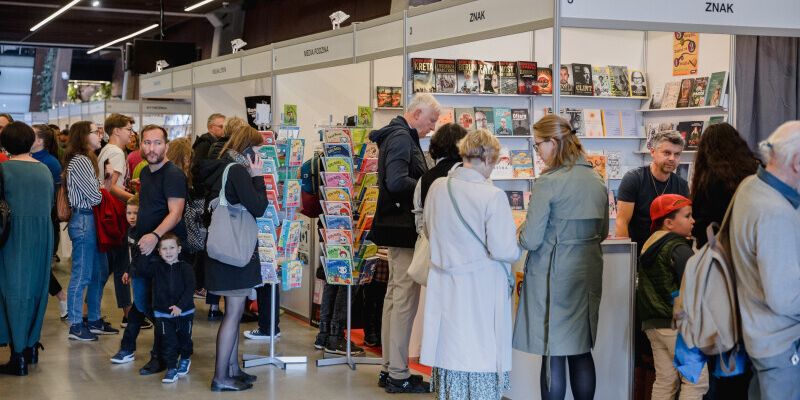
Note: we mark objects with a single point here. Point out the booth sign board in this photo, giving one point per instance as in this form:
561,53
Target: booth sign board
155,84
122,107
166,108
182,78
329,49
385,39
218,71
255,64
461,23
97,107
745,17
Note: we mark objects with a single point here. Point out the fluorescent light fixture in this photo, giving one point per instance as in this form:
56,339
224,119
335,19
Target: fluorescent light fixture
55,14
113,42
197,5
96,3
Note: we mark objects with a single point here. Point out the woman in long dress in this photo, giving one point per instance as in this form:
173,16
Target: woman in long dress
26,255
560,296
467,320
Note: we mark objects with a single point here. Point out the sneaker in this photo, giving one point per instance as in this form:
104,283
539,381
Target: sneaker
338,345
382,377
256,334
153,366
200,294
123,357
147,324
81,332
214,315
171,376
62,310
183,366
409,385
372,340
101,327
322,339
124,323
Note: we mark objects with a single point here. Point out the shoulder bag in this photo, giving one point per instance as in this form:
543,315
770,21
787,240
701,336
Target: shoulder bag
421,262
232,235
5,211
63,210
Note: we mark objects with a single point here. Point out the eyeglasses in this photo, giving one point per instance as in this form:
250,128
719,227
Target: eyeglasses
537,144
95,132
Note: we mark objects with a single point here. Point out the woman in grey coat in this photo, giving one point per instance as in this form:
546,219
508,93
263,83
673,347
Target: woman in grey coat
560,297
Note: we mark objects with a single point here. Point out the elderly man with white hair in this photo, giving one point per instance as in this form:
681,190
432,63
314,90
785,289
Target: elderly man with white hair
400,164
765,244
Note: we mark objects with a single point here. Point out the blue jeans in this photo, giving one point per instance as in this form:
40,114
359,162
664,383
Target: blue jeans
89,267
777,377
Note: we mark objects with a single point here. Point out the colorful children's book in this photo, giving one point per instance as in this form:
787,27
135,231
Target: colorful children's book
368,207
268,151
268,137
367,272
266,225
272,196
338,179
271,213
598,162
337,135
290,114
358,135
291,193
271,182
337,236
289,240
338,222
337,208
266,240
338,272
336,193
370,194
337,150
269,274
364,116
522,163
296,147
338,164
338,252
291,274
369,165
270,167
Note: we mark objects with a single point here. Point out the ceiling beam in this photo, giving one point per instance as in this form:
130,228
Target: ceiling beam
100,9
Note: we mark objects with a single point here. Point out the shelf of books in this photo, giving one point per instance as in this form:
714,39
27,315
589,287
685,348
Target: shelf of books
279,230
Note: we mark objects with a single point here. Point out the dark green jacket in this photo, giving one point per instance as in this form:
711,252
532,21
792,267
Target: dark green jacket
660,270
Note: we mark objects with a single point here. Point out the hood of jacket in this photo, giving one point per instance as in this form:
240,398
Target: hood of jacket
395,126
653,245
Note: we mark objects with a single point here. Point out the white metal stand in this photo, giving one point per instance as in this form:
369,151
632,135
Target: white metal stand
348,358
254,360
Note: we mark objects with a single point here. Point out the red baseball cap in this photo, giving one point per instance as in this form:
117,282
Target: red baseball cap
665,204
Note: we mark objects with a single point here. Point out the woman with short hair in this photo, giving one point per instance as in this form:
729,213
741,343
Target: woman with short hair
467,319
560,296
27,187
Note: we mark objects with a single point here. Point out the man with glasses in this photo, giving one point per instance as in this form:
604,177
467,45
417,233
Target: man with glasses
112,161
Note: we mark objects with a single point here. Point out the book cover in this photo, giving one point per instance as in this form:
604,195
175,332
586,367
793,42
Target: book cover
364,116
338,252
527,78
539,166
655,98
544,80
619,81
716,88
503,169
383,96
565,79
484,118
338,164
368,151
266,240
269,272
520,122
593,122
671,92
488,81
338,272
507,71
614,164
338,179
337,208
369,164
290,114
422,75
272,196
638,84
685,93
698,98
291,193
337,236
370,194
271,182
691,132
397,96
271,213
628,123
466,118
515,199
716,119
502,121
612,204
467,76
266,226
582,77
575,118
368,207
291,274
612,123
337,150
598,162
268,152
445,72
601,80
446,116
268,137
367,271
338,222
336,193
296,149
358,136
521,164
289,132
337,135
369,179
289,240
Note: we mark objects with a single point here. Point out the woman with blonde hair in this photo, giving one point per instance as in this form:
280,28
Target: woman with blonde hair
472,240
560,296
179,152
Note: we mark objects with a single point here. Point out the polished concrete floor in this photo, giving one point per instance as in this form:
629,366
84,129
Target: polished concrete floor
82,370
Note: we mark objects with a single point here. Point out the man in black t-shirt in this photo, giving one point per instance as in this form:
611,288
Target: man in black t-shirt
641,186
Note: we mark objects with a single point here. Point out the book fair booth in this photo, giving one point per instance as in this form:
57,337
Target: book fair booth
626,70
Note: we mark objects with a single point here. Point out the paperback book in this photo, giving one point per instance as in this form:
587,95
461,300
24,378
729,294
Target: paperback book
685,93
445,71
522,164
544,80
582,76
619,80
290,114
337,150
515,199
565,79
422,73
503,169
691,131
467,76
638,84
671,92
291,193
291,274
338,272
383,96
507,71
593,122
698,98
337,208
488,81
598,162
601,80
527,78
520,122
337,135
484,118
336,193
716,88
502,121
466,118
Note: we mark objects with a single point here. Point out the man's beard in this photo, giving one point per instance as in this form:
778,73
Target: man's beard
159,159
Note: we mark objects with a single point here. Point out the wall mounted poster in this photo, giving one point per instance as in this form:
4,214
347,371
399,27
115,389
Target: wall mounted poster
684,53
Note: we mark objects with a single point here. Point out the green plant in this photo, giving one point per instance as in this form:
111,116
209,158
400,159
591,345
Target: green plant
45,81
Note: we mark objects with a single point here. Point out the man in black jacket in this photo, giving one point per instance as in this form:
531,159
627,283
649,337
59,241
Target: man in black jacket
400,164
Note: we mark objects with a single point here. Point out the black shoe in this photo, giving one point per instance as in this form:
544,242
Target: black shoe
31,354
337,345
409,385
372,340
153,366
245,377
248,316
15,366
382,377
232,387
322,339
214,315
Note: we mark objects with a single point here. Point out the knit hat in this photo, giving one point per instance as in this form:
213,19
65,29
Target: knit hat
665,204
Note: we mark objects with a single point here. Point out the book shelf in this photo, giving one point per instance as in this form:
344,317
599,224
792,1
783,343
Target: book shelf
705,109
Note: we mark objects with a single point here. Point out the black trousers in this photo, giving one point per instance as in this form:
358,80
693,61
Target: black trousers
333,308
374,293
266,308
118,266
176,338
135,321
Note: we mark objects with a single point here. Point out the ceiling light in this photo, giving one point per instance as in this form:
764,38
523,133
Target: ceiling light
96,3
113,42
55,14
197,5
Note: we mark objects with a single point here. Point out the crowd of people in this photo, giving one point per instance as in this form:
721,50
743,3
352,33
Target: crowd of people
159,191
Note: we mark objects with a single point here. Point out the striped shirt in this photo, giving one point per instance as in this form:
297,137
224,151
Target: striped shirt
83,188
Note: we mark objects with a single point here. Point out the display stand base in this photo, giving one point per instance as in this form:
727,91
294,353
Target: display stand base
255,360
347,359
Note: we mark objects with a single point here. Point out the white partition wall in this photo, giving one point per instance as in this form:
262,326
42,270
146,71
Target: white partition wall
227,99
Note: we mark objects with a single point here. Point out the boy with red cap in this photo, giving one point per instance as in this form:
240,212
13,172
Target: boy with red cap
660,270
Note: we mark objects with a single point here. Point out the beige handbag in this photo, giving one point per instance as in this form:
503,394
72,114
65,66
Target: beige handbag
421,262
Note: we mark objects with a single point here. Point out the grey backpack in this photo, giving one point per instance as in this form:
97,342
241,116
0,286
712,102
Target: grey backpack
232,235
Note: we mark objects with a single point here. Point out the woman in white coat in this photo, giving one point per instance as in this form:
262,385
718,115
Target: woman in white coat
467,321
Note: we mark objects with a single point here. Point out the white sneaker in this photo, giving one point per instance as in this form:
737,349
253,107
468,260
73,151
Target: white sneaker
256,334
62,309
